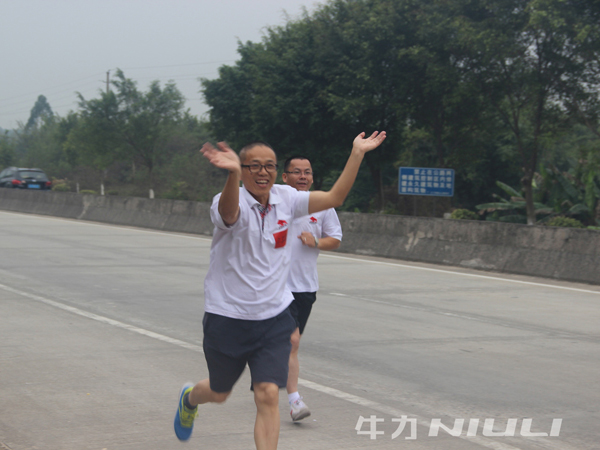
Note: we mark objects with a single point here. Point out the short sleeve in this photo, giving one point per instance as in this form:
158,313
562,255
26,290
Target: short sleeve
331,225
301,203
216,218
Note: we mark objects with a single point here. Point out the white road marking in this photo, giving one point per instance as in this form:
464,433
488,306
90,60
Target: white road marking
106,320
118,227
323,254
360,401
473,275
488,443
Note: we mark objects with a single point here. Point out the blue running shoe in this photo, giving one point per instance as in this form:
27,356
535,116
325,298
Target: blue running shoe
184,417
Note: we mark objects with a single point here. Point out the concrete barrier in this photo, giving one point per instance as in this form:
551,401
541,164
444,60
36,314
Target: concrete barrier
560,253
160,214
551,252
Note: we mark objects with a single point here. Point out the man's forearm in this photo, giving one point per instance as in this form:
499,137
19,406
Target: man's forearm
319,200
328,243
229,203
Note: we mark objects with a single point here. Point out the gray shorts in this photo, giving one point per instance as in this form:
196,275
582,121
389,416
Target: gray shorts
229,344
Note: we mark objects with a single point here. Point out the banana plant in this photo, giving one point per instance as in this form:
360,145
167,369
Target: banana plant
564,196
514,206
574,197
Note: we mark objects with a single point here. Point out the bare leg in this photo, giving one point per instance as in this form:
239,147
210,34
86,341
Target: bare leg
266,428
202,393
294,370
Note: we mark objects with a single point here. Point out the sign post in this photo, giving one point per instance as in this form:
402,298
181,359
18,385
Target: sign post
425,181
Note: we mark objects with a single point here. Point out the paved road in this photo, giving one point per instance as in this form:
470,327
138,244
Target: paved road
100,326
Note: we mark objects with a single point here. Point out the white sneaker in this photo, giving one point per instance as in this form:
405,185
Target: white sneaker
299,410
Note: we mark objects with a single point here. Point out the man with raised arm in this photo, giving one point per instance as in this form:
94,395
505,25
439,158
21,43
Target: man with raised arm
246,319
314,232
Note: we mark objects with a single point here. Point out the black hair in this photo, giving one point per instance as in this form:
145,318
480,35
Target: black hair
288,161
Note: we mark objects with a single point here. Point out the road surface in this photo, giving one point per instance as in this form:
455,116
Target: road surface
101,325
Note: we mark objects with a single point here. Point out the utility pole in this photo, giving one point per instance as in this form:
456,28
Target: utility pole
107,81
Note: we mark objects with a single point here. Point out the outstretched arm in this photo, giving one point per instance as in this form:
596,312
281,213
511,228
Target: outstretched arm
319,200
225,158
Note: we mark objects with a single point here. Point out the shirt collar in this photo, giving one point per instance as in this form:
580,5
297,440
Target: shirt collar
274,197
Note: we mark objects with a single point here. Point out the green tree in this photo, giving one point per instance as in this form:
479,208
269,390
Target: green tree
358,66
523,53
7,151
288,91
125,123
42,146
359,54
41,110
230,99
186,175
450,122
275,93
581,94
513,208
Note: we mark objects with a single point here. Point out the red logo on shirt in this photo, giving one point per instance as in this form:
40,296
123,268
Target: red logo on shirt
281,223
280,238
313,219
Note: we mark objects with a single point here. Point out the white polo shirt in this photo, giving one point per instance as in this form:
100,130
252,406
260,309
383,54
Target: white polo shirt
249,264
303,276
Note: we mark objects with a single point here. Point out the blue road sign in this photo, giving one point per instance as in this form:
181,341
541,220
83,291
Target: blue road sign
424,181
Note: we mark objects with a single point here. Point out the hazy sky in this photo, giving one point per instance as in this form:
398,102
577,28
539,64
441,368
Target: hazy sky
58,47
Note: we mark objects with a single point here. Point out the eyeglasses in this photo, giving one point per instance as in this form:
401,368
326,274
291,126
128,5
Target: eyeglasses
296,172
255,167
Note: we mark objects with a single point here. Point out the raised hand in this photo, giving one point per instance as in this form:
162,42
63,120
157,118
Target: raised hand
363,145
223,157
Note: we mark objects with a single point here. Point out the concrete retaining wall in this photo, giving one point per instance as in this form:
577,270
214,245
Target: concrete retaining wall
560,253
551,252
160,214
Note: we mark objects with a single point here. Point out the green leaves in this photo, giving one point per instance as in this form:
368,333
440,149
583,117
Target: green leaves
128,124
509,190
40,111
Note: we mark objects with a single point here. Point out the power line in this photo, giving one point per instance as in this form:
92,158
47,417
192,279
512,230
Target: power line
51,87
174,77
74,87
180,65
46,93
25,111
49,90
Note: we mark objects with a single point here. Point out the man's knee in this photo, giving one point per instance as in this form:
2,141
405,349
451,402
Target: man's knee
266,394
220,397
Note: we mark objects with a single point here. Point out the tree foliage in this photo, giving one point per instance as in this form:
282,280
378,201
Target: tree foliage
496,89
40,112
127,138
127,123
528,58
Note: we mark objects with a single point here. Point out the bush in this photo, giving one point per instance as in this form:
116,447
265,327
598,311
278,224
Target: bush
61,187
464,214
88,191
178,191
562,221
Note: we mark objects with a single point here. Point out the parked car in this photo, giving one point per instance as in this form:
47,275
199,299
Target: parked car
24,178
